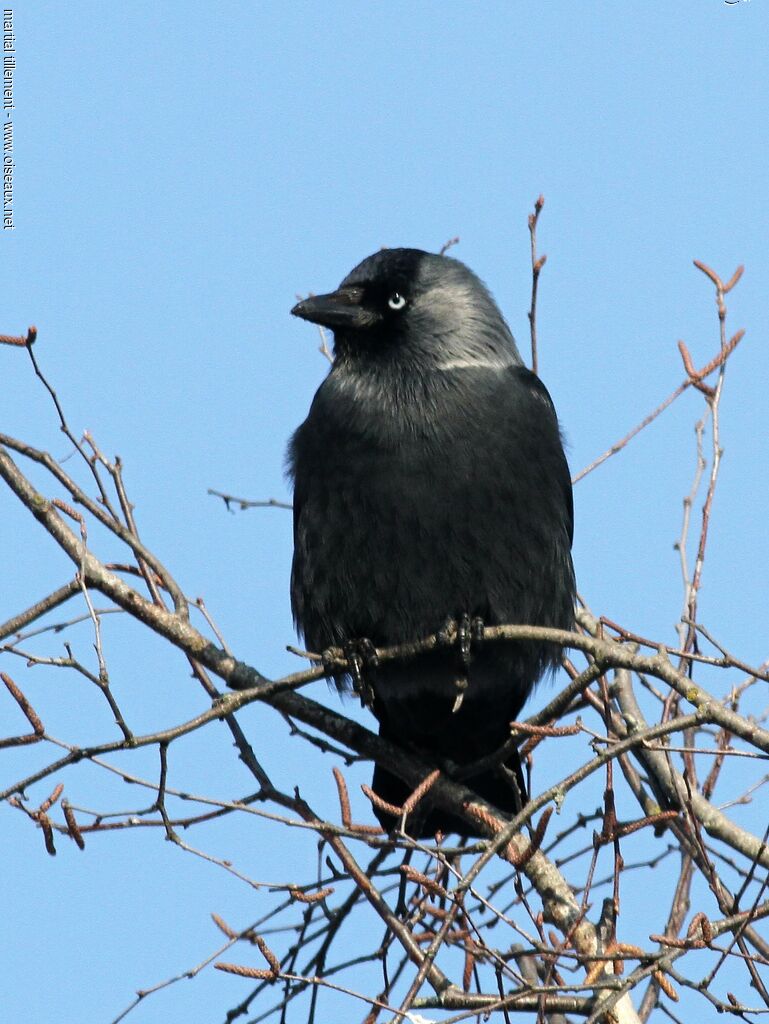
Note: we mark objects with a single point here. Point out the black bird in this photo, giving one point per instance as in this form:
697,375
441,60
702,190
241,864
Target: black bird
430,484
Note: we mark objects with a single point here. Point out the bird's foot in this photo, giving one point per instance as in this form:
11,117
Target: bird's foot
469,635
361,655
466,632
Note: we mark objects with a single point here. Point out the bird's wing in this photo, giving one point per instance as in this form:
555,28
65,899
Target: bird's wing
541,396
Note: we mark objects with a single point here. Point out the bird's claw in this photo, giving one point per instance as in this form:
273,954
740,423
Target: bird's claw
361,655
461,684
463,639
466,632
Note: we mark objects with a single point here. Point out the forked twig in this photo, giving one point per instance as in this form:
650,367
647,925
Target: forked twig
22,340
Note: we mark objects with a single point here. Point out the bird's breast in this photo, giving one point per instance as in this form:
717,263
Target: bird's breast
407,514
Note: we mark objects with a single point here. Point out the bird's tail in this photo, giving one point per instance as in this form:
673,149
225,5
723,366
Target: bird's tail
505,790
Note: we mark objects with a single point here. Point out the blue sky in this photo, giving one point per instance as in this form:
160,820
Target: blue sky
182,172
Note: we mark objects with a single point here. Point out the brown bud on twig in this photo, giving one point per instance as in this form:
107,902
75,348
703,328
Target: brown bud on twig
245,972
520,860
665,985
634,826
694,376
670,940
627,949
344,798
408,805
24,704
734,278
310,897
700,923
433,911
467,973
428,884
72,826
19,339
48,803
222,925
20,741
379,803
424,787
618,966
45,824
513,856
708,272
491,821
268,955
595,970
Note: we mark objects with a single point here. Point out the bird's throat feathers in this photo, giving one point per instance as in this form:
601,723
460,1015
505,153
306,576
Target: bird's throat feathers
400,400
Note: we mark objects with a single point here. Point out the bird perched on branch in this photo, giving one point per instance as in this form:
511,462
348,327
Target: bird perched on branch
430,486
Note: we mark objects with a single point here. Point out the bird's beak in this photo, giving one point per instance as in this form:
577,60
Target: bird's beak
341,308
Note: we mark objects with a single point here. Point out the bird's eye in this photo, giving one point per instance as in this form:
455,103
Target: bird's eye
396,301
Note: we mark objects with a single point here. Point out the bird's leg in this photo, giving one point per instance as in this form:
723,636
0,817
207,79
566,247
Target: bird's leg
466,632
477,626
469,635
463,640
361,655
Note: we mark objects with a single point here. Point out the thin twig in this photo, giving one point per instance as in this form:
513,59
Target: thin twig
537,263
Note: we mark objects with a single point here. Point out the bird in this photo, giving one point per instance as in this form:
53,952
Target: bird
431,487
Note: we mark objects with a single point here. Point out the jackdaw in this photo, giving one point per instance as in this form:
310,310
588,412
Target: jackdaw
430,485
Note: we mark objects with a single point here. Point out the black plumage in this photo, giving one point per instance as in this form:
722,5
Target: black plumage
430,483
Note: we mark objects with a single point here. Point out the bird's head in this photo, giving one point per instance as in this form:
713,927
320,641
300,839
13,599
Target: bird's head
406,306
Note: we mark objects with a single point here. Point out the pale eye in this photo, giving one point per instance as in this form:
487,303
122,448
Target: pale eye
396,301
